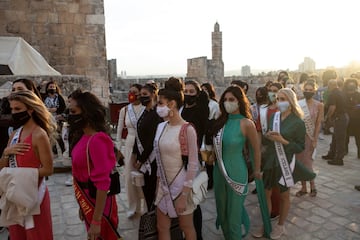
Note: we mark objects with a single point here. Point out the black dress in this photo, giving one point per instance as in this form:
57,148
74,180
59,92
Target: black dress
146,130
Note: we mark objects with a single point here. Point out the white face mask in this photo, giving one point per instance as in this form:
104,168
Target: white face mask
231,107
272,96
163,111
283,106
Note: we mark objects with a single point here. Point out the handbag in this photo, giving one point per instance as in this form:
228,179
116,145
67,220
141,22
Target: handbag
119,157
148,228
200,182
115,187
137,178
124,132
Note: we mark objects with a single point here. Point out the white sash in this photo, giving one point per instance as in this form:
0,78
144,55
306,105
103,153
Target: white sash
255,111
309,124
263,109
14,140
287,178
239,188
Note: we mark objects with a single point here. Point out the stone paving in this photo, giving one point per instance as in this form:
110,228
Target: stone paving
333,214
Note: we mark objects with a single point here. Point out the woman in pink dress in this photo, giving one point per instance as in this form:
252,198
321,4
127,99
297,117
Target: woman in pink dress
313,116
29,147
93,158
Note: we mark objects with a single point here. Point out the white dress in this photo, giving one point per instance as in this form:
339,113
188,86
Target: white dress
134,194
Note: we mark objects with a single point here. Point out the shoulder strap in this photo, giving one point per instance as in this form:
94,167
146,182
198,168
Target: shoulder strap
183,140
88,154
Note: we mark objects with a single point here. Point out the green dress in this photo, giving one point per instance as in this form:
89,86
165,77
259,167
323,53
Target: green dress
231,213
293,130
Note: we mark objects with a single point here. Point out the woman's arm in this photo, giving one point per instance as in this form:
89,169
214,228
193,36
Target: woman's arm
43,150
120,125
95,225
193,163
319,119
248,128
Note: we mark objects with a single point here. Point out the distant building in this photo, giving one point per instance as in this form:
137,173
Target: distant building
307,66
245,71
208,70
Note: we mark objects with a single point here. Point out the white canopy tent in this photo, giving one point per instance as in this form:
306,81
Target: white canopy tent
22,58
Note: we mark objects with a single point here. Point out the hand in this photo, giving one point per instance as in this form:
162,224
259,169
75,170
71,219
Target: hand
52,110
81,215
258,175
137,165
94,232
180,203
17,149
314,143
274,136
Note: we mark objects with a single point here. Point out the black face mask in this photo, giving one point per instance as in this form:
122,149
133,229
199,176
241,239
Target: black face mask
308,95
76,121
51,91
189,99
145,100
19,119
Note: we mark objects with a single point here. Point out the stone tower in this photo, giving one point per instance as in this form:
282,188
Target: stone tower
69,34
208,70
216,37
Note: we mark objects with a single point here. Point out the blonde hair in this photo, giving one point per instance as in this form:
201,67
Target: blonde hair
40,115
291,96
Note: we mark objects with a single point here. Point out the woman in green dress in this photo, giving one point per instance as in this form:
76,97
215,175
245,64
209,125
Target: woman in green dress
231,130
286,136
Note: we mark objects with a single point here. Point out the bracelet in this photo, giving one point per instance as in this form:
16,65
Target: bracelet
97,223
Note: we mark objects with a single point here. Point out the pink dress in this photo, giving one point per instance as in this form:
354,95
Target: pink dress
305,157
101,150
42,222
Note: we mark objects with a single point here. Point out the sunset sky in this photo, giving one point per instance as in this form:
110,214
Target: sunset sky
152,37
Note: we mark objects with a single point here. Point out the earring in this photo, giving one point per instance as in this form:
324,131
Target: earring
171,113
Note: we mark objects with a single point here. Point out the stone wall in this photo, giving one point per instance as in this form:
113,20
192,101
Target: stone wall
70,34
197,69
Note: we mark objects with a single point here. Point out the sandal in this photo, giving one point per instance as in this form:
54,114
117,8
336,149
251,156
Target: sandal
313,192
300,193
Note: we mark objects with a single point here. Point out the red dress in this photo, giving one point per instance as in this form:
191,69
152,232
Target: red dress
42,222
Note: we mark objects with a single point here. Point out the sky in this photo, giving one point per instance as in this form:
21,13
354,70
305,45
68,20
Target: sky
156,37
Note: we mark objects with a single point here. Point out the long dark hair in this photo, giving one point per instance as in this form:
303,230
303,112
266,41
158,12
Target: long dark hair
210,89
244,107
93,112
30,85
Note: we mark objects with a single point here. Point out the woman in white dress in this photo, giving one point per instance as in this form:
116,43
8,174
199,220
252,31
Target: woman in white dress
128,117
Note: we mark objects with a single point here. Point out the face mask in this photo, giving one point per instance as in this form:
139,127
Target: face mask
272,96
19,119
163,111
145,100
76,121
51,91
308,95
132,97
231,107
189,99
283,106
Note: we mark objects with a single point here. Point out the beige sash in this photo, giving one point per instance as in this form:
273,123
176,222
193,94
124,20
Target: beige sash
309,124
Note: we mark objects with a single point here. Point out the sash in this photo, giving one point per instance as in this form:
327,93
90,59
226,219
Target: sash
14,140
239,188
309,124
286,169
146,166
255,111
108,231
263,109
172,190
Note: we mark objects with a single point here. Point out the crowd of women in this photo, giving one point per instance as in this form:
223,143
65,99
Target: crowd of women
272,140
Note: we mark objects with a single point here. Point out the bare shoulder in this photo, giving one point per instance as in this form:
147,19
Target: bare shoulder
245,122
39,133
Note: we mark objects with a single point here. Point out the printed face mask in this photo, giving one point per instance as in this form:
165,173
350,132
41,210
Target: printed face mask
272,96
231,107
132,97
163,111
19,119
283,106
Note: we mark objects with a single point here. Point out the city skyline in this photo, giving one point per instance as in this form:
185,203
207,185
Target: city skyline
157,37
